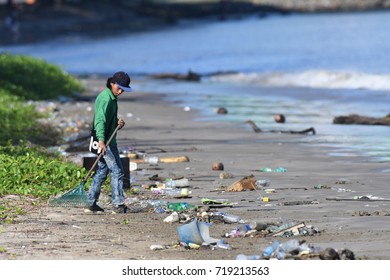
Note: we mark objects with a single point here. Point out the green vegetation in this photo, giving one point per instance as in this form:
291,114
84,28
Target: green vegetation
26,168
35,79
29,171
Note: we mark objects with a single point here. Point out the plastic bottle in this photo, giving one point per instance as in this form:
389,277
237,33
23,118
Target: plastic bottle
229,218
177,183
179,206
222,245
247,257
280,169
176,192
290,245
264,183
151,160
267,253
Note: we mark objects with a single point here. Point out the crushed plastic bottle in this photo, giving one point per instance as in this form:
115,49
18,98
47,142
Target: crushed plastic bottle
176,183
264,183
247,257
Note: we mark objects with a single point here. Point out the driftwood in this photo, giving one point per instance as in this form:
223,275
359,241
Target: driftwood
358,119
258,130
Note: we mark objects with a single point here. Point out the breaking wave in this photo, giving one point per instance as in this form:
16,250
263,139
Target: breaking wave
312,79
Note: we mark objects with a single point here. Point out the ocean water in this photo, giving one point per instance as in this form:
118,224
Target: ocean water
311,68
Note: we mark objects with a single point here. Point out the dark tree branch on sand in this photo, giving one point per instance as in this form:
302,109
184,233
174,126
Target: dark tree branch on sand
258,130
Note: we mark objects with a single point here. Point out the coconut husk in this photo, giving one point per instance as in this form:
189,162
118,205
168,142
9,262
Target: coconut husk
246,183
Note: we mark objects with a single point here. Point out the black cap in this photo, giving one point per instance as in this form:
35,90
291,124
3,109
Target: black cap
122,80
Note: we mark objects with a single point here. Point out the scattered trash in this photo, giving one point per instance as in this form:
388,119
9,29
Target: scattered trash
193,246
225,175
343,181
224,202
136,205
258,225
247,257
196,232
267,169
221,244
300,202
176,193
240,231
151,160
156,247
263,183
321,186
177,183
226,218
174,217
289,230
179,206
294,249
269,191
364,198
133,166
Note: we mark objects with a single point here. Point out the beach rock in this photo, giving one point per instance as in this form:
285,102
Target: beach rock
329,254
280,118
222,111
217,166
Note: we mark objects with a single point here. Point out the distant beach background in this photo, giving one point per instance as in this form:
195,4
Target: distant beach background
309,67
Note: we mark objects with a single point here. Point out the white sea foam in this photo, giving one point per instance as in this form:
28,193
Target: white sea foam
312,79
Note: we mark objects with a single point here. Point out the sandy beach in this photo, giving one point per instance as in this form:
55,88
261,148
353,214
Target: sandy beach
304,194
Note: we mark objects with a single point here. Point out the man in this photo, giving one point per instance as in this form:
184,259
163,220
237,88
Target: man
105,122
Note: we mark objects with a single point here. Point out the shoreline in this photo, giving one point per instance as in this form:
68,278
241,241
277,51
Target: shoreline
165,130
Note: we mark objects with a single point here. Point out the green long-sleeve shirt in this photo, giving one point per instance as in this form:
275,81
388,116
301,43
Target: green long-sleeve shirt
106,115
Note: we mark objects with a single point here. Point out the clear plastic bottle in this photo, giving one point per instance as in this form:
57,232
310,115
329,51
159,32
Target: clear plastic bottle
177,183
290,245
267,253
151,160
183,192
229,218
263,183
222,245
247,257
